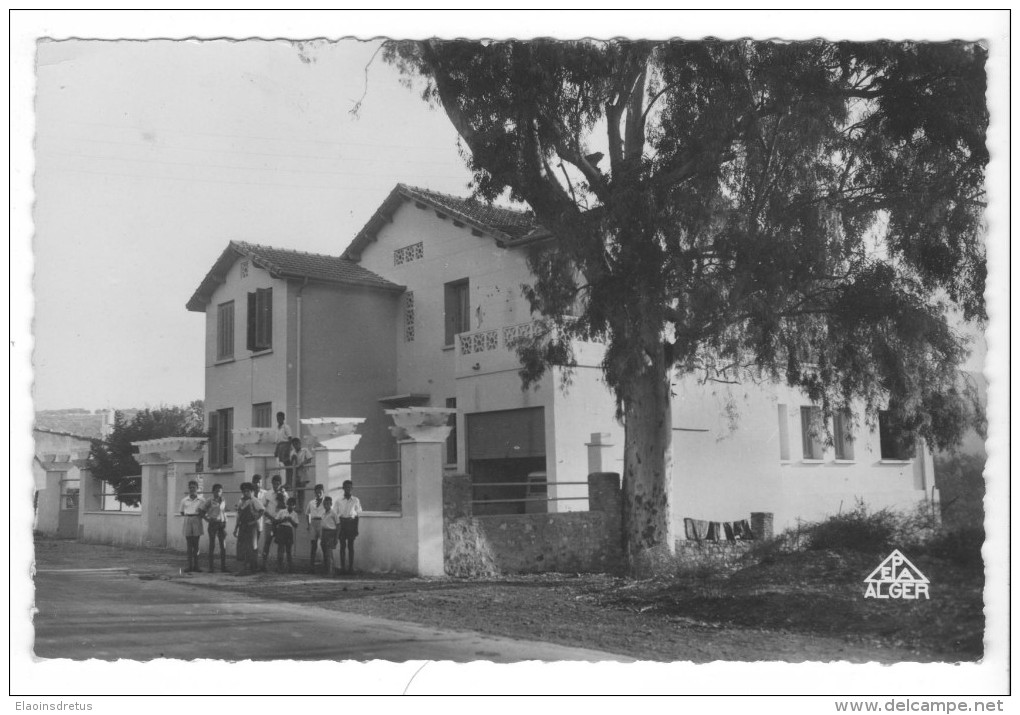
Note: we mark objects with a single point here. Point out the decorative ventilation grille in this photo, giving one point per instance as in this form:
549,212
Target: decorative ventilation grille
414,252
409,316
479,342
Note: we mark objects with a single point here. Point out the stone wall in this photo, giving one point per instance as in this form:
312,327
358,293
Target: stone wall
530,543
711,554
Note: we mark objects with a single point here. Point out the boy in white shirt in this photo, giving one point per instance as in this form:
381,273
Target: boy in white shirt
283,436
314,512
330,521
191,509
348,509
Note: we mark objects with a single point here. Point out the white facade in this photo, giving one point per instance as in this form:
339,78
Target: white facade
727,459
358,351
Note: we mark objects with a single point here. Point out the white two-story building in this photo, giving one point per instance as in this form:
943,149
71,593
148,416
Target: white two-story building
422,309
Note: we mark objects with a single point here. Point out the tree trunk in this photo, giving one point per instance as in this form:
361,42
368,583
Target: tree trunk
648,477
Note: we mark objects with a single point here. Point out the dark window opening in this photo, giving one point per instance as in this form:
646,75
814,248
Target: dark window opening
896,442
457,307
451,441
260,319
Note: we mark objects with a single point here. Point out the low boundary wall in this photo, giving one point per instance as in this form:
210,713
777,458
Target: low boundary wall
533,543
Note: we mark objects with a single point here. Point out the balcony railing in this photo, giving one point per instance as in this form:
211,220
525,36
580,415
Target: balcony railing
505,338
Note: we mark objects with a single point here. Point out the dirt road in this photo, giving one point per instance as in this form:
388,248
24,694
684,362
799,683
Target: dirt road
565,610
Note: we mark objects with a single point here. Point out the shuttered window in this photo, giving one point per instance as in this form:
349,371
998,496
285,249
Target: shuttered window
221,441
225,331
262,414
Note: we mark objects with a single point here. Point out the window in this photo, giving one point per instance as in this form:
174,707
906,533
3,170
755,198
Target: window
784,434
225,331
451,441
896,442
260,319
842,435
810,420
262,414
458,309
221,442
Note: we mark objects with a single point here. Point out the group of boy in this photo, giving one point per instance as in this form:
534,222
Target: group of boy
266,516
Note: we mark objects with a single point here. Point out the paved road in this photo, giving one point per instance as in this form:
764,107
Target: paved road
112,613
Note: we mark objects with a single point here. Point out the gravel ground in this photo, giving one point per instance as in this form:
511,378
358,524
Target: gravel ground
746,616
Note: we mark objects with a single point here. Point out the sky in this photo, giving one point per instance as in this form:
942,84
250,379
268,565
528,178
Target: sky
134,163
151,156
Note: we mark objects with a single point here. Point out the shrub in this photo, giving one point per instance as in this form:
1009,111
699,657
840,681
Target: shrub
961,546
857,530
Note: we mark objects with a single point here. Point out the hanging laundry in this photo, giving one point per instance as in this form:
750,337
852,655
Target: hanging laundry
695,529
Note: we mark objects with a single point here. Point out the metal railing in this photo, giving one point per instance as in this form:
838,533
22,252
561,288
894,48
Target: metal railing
536,494
377,482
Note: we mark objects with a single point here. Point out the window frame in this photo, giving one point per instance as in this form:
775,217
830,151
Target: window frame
263,407
812,449
842,436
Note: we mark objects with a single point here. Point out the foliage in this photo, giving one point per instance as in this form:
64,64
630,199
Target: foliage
961,545
111,459
961,483
804,212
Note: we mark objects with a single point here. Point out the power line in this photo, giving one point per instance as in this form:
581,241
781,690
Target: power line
228,166
195,180
264,153
257,137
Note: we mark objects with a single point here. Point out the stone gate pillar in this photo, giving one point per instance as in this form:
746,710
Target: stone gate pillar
88,492
56,465
165,465
332,440
258,447
420,434
598,452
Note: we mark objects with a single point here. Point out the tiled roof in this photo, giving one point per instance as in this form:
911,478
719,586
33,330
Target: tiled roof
515,224
287,263
507,226
315,266
89,426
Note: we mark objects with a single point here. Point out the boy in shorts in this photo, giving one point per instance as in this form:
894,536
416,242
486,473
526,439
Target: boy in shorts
314,512
327,535
285,525
348,509
191,509
215,513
